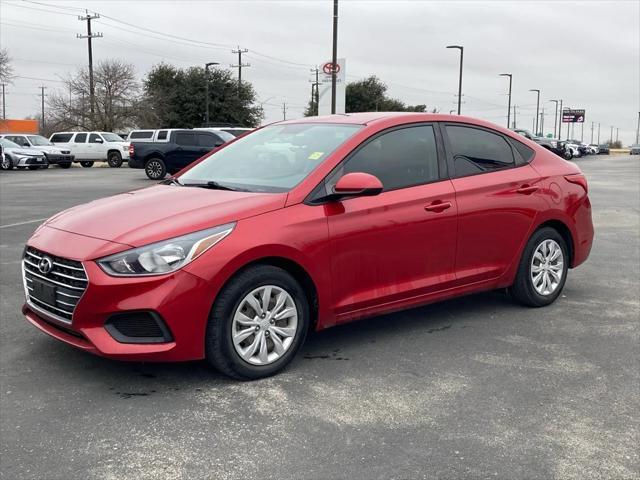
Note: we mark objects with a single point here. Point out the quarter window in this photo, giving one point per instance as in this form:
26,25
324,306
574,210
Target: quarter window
162,135
61,137
400,158
80,138
477,151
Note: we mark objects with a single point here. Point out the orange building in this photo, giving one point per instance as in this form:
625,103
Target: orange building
19,126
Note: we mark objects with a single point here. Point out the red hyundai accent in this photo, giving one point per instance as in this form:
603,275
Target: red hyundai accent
308,224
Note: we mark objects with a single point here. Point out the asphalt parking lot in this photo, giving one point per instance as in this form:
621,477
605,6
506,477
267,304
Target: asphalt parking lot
477,387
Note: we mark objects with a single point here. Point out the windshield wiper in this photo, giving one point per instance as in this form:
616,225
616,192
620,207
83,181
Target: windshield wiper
210,184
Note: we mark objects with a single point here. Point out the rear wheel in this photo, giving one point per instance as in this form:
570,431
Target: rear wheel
65,165
33,167
543,268
155,169
114,159
6,163
257,324
44,167
86,164
568,154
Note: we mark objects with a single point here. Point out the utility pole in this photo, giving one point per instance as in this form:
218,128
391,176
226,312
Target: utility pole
461,48
316,83
206,89
542,122
617,132
598,133
555,118
313,97
284,110
582,132
4,103
42,88
592,125
334,57
535,132
611,137
87,18
509,106
637,129
240,51
560,122
514,116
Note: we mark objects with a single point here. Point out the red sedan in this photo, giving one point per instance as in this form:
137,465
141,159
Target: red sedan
308,224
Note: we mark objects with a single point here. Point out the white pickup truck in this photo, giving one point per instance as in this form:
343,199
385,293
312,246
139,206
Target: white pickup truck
90,147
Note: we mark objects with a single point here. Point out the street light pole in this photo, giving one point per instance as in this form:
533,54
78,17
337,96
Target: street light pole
334,57
560,122
555,118
637,130
460,79
537,108
206,83
509,107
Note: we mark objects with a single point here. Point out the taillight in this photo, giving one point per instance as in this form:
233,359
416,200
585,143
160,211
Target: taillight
131,150
578,179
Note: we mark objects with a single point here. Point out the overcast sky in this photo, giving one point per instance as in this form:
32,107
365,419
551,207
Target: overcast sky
586,53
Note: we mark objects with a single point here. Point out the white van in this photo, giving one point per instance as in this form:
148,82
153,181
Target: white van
90,147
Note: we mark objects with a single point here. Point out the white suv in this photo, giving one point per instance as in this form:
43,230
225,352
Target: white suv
90,147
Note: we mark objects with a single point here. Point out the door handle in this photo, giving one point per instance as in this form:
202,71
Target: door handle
527,190
438,207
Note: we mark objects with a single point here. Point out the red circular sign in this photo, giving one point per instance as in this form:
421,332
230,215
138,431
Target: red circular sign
328,68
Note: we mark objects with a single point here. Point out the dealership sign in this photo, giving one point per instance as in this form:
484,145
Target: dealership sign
573,116
324,90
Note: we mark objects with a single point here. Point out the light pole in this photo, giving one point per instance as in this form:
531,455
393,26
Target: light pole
509,107
637,130
611,136
537,108
560,122
334,57
555,118
598,133
206,83
460,79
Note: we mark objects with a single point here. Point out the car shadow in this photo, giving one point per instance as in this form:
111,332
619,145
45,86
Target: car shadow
134,379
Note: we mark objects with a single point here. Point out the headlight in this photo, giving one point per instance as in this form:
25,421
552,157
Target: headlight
165,256
554,144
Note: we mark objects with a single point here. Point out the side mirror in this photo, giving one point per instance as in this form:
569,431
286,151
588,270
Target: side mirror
358,184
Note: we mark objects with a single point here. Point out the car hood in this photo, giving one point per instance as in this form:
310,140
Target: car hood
48,149
24,151
156,213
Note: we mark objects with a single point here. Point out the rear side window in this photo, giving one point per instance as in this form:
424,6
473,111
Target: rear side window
141,135
80,138
208,140
95,138
186,138
162,135
478,151
61,137
525,152
400,158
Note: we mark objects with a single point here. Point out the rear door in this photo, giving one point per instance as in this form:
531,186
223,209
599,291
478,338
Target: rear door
186,150
208,141
497,197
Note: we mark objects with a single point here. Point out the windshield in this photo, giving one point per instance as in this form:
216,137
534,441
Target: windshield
273,159
8,143
39,141
112,137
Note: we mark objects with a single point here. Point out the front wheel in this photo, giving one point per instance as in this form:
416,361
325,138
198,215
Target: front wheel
6,163
568,154
543,268
33,167
155,169
86,164
65,165
257,323
114,159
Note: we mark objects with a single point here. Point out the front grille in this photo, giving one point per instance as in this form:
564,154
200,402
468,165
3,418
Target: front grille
67,280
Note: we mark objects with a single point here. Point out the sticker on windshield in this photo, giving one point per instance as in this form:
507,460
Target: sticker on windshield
315,155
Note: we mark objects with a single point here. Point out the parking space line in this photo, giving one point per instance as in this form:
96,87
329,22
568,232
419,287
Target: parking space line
23,223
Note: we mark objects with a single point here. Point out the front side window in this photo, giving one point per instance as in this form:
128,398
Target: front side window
95,138
208,140
80,138
39,141
112,137
273,159
478,151
19,140
400,158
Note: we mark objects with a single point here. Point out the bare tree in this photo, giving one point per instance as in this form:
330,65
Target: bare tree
116,96
6,70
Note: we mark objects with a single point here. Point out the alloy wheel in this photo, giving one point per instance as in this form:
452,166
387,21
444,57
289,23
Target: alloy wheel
547,267
264,325
154,169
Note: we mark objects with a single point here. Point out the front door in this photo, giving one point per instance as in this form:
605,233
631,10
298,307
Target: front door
400,244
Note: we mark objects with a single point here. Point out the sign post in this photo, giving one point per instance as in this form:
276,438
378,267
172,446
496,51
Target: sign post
324,88
573,116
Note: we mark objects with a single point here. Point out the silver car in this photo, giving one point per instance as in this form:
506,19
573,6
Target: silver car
15,156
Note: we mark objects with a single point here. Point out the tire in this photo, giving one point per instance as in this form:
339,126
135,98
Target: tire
114,159
220,350
568,155
44,167
65,165
155,168
7,163
33,167
86,164
21,168
523,289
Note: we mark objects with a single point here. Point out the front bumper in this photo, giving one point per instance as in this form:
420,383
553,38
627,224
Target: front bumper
55,158
30,161
182,300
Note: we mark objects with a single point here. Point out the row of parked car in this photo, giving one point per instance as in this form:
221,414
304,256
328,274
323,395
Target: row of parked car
173,148
567,149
